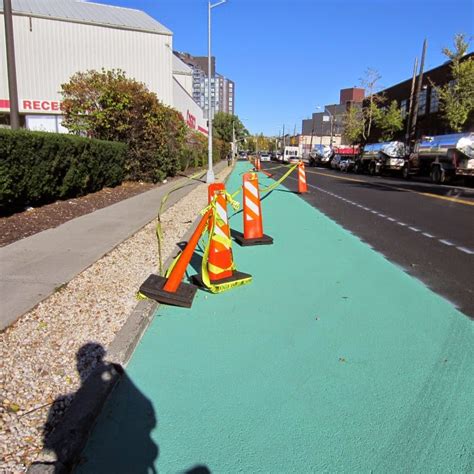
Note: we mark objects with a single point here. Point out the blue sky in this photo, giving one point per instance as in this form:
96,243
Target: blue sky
288,56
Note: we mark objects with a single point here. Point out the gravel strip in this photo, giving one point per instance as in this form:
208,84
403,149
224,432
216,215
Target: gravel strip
38,353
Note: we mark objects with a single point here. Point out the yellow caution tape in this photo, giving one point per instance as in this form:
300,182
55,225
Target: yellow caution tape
277,183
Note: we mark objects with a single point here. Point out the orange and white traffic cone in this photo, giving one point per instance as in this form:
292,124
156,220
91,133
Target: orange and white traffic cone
257,165
220,273
171,289
253,222
302,186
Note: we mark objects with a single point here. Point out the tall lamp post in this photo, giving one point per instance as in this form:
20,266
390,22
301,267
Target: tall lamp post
210,171
332,121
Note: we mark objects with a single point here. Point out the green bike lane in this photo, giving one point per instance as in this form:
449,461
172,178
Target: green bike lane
332,359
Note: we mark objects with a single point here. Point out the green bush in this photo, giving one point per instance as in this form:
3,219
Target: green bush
40,167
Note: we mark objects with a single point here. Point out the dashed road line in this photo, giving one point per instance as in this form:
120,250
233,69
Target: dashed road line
391,219
465,250
446,242
456,200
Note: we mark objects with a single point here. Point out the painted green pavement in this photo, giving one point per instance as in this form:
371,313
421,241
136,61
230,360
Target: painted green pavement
332,359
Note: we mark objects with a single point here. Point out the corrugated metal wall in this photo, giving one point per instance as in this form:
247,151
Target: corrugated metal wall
185,104
48,52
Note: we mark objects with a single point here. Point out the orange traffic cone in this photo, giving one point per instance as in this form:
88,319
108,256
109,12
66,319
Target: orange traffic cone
302,186
253,223
172,290
257,166
220,265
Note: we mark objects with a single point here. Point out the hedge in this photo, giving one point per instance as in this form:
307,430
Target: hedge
40,167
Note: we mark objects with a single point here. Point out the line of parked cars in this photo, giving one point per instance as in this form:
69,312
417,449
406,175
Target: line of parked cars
441,157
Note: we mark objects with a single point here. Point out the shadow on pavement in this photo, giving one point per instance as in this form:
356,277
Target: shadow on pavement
126,446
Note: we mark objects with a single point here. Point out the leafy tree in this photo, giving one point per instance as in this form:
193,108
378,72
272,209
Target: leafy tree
353,125
456,98
222,124
389,120
373,101
250,144
109,106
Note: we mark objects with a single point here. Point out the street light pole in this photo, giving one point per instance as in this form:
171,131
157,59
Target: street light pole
210,171
332,120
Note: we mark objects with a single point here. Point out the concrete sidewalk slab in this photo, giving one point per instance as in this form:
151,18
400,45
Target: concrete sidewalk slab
332,360
32,268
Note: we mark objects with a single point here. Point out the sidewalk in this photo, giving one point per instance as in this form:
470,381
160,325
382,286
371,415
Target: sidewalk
32,268
332,360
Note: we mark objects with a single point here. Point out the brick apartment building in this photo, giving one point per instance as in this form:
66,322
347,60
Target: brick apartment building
429,119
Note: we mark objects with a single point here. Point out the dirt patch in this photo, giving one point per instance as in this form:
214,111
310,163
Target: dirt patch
34,220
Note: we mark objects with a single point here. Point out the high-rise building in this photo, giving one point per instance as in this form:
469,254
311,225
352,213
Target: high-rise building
222,91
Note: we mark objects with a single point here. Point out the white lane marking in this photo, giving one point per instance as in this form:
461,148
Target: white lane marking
465,250
391,219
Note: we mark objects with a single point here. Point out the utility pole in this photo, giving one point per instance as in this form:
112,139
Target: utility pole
12,84
410,106
210,171
417,96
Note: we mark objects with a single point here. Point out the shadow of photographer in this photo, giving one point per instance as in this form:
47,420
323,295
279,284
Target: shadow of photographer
127,445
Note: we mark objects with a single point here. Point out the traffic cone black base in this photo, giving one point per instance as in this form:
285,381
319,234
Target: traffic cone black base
243,242
237,279
152,288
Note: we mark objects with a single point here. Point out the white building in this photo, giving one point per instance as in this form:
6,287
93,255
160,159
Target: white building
183,96
56,38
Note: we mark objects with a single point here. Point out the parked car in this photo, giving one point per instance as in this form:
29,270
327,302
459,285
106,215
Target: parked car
346,164
335,162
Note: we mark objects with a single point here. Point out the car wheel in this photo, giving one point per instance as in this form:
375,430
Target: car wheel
436,175
406,172
372,169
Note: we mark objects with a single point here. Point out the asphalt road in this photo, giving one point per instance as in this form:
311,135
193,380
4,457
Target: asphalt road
427,230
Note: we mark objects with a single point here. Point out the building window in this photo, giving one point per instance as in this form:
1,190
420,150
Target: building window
434,101
403,107
422,102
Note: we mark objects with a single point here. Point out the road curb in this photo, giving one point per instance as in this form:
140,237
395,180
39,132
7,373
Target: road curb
71,435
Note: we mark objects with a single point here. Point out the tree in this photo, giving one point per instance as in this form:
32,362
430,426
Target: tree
373,101
456,99
353,125
389,121
109,106
222,124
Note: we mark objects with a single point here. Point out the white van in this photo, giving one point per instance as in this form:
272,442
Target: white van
290,154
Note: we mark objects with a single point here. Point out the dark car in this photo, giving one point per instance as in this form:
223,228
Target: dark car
335,162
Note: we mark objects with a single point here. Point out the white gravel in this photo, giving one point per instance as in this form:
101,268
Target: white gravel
38,352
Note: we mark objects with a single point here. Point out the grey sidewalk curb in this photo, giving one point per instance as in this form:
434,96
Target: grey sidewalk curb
79,420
